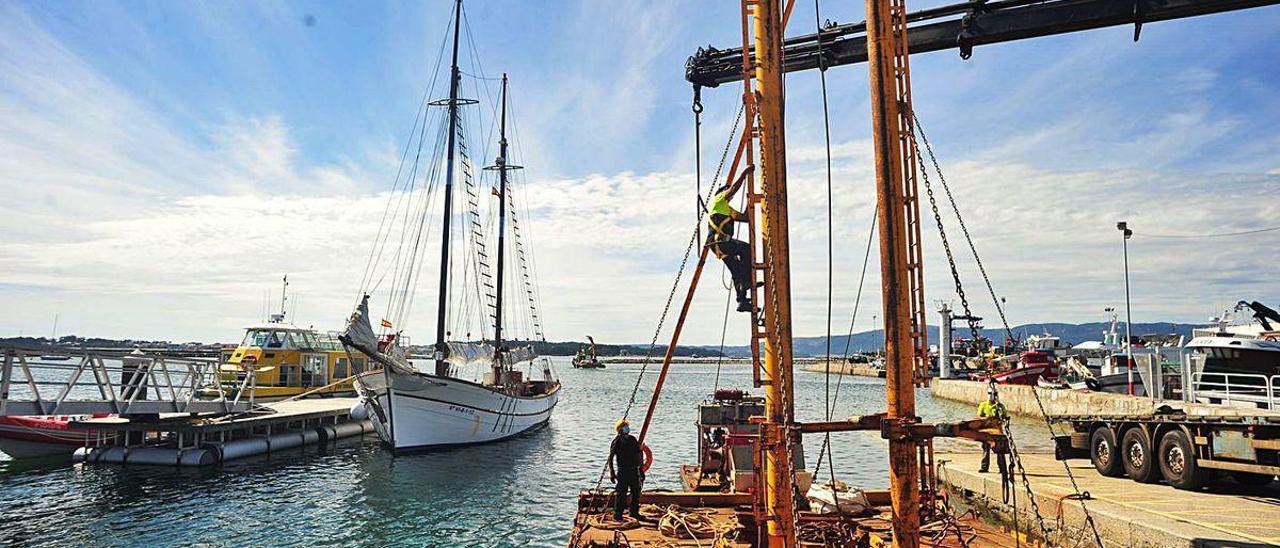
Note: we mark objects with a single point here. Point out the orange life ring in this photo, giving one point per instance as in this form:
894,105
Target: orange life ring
1271,338
648,457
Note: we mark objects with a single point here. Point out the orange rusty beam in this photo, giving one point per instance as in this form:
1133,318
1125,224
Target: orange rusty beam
675,339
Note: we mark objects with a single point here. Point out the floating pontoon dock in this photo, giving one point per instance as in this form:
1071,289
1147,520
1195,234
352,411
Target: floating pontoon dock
183,440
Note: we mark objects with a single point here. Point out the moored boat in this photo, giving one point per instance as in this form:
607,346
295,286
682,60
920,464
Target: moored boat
42,436
289,361
471,391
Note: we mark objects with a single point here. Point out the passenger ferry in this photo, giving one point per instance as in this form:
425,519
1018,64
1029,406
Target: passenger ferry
291,360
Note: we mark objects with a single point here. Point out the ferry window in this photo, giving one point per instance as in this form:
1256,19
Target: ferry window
255,338
278,339
357,366
340,368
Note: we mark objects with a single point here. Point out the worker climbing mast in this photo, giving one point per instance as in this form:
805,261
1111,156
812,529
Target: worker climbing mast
776,305
899,249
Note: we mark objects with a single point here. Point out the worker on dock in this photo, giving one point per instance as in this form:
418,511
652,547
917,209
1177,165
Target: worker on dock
992,408
625,456
735,253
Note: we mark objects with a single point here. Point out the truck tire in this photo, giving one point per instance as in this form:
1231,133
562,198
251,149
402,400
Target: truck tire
1178,461
1139,461
1104,452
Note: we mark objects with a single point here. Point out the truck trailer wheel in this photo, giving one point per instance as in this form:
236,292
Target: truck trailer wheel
1139,461
1178,461
1104,453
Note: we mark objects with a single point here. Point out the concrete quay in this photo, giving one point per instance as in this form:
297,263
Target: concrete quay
1125,513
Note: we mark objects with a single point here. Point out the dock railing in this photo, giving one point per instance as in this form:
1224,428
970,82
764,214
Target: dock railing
1239,389
62,381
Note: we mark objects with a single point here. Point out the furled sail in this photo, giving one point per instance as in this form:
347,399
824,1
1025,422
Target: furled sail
359,335
521,354
481,353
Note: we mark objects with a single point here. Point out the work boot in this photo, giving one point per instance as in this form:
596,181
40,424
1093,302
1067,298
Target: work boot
744,306
983,470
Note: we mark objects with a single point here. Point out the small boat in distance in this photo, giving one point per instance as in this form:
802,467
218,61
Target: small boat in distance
587,358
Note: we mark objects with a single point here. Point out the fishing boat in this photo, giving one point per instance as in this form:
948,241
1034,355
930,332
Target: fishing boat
289,360
587,358
470,391
1030,367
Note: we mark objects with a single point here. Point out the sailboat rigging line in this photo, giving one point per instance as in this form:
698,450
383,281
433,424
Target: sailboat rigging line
675,284
406,279
826,126
963,228
848,340
528,261
395,309
375,254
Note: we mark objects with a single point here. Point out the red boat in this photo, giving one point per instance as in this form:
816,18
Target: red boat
39,436
1031,366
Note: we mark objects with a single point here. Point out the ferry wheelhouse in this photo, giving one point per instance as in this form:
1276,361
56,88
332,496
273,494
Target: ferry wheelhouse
290,360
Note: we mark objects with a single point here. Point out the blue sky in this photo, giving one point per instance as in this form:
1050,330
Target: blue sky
166,162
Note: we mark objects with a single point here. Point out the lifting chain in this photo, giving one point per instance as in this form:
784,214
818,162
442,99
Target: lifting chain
1015,459
964,229
946,245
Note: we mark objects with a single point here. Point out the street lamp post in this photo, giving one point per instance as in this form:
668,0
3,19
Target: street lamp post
1123,227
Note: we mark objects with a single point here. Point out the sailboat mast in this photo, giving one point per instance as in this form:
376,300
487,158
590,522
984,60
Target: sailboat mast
455,76
502,230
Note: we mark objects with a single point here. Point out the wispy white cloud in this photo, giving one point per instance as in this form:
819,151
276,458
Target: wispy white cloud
132,224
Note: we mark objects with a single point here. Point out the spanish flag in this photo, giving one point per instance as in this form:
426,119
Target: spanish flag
386,324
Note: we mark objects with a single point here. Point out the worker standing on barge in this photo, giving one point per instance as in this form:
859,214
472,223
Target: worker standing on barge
625,458
992,408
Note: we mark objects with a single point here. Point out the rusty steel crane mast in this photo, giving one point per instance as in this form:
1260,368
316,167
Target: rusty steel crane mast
881,41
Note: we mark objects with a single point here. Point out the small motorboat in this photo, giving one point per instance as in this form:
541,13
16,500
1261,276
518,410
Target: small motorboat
41,436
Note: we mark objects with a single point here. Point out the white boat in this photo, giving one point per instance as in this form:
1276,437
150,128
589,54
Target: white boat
1238,349
423,411
470,391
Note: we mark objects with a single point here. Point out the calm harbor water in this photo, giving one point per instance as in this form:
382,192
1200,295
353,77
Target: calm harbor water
516,493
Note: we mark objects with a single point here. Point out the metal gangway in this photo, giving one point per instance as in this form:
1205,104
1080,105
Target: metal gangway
53,380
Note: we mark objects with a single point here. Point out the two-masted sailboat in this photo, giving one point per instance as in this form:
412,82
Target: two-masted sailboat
417,405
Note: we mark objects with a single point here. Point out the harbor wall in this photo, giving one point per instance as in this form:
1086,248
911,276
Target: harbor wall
845,368
1020,400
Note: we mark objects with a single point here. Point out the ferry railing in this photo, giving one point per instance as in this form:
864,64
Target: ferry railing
60,381
1236,388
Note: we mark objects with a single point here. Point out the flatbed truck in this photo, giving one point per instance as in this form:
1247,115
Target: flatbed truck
1182,443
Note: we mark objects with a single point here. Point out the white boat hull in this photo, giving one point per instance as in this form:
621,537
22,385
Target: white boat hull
422,411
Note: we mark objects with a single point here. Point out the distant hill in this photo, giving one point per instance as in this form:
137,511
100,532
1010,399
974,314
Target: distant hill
804,346
874,340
